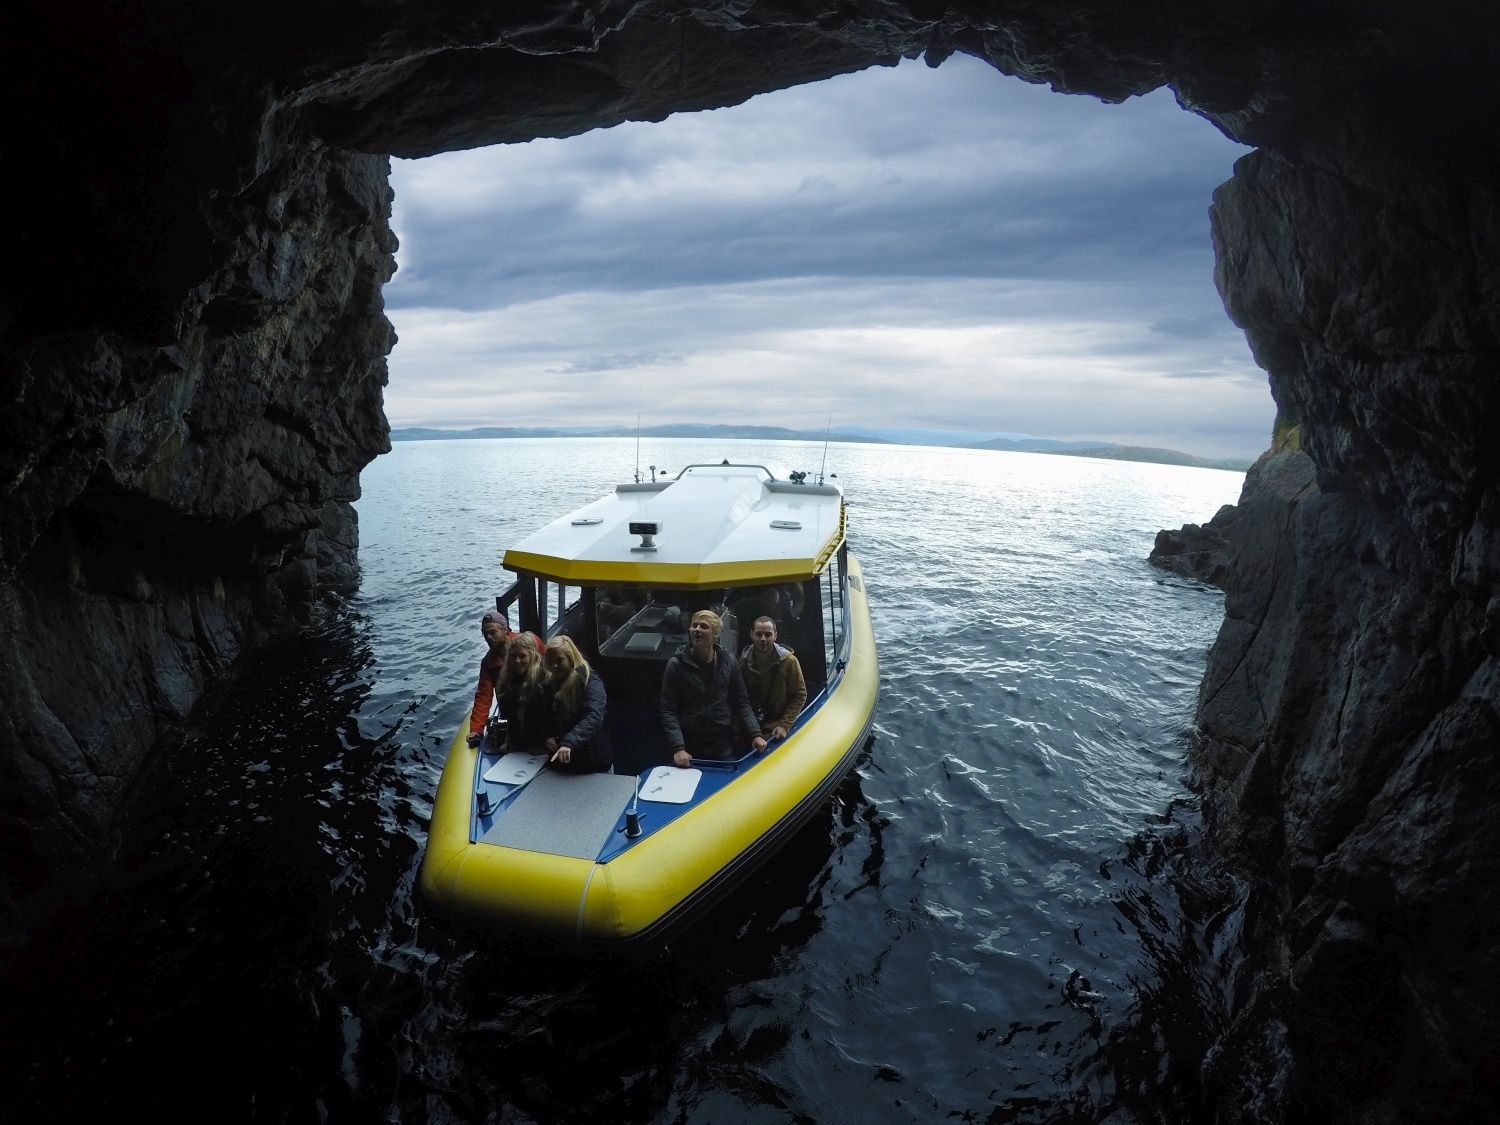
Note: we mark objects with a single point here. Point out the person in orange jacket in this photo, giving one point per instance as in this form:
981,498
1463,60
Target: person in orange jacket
496,631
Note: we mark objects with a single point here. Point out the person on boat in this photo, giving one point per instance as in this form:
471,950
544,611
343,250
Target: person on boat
496,632
756,602
521,692
791,597
575,694
703,697
773,679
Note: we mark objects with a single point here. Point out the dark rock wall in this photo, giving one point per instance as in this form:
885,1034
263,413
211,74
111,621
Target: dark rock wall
191,361
165,505
1349,711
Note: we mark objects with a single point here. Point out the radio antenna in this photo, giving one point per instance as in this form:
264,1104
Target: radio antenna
826,430
638,448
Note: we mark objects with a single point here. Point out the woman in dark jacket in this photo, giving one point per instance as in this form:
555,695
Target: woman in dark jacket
521,692
579,744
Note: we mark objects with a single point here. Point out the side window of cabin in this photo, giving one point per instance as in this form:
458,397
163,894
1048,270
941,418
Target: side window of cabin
813,651
562,610
831,594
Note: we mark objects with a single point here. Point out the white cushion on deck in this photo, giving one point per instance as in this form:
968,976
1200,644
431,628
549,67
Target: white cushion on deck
669,785
515,769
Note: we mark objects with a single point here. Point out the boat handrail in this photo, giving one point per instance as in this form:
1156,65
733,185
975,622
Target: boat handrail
722,763
735,763
725,465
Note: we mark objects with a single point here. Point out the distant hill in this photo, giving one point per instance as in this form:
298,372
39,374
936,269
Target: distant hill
1154,456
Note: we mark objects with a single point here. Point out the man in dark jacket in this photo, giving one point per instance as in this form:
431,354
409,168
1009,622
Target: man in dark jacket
703,697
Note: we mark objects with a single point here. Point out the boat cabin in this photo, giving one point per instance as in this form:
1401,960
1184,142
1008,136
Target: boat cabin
623,576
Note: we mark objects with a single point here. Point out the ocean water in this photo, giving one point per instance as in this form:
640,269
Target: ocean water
988,923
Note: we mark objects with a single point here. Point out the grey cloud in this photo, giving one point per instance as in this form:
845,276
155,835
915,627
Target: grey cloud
1191,327
619,362
954,173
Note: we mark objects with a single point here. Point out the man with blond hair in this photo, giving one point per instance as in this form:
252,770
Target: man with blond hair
703,698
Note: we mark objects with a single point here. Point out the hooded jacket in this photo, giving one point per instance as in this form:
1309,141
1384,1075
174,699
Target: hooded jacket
777,694
708,701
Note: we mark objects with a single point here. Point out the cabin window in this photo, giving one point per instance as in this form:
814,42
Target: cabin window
633,621
561,608
652,624
831,596
629,632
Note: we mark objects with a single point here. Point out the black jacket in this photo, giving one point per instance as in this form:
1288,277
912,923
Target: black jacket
528,714
582,729
710,702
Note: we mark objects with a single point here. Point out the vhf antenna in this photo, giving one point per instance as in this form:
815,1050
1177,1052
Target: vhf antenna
638,448
825,448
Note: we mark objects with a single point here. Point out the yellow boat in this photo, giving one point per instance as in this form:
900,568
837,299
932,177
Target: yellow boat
622,860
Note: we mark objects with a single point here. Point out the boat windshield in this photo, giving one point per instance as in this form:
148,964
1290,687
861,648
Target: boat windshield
637,622
629,632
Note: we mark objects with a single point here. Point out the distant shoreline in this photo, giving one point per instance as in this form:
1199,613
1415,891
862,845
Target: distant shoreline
1019,443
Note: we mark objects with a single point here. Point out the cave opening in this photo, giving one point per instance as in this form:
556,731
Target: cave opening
943,249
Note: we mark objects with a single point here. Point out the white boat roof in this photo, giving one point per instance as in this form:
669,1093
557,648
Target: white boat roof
717,525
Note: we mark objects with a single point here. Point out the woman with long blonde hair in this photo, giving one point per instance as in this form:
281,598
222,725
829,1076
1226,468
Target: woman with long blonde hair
520,691
578,707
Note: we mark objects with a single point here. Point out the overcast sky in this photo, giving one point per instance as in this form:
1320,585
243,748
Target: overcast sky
943,248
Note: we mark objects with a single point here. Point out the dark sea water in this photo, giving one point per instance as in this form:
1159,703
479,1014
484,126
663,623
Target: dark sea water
989,923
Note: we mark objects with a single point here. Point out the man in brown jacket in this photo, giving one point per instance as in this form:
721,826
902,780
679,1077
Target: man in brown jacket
774,680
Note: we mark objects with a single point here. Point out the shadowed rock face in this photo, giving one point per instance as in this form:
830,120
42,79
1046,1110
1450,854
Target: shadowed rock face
192,354
1349,710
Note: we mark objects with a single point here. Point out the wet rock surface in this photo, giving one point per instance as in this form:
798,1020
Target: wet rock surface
1347,741
166,506
192,354
1198,551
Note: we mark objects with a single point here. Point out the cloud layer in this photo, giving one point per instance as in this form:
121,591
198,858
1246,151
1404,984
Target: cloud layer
904,246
